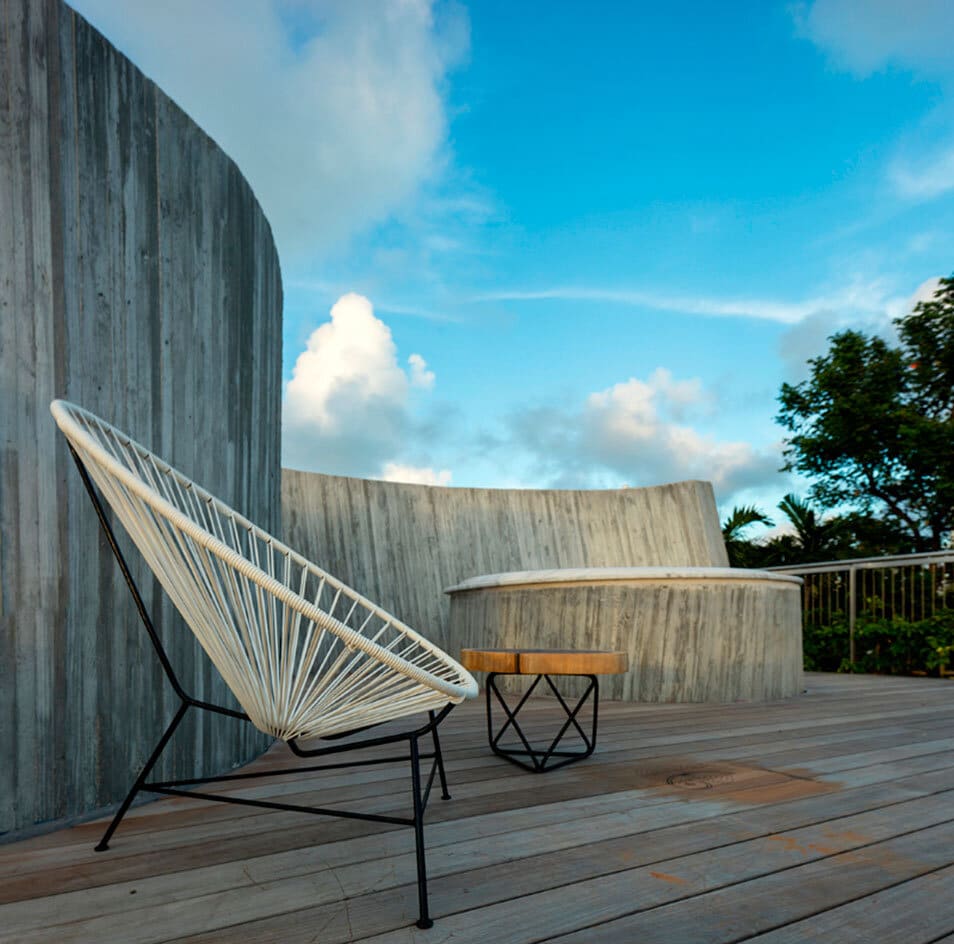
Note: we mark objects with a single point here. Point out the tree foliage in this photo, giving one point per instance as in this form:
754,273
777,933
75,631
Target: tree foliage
739,520
817,538
742,552
873,425
813,536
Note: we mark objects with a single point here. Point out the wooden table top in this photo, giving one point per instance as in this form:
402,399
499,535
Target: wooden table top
545,661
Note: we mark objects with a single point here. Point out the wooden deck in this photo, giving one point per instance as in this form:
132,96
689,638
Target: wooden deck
828,817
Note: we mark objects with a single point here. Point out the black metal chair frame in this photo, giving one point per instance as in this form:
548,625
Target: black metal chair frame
541,761
414,753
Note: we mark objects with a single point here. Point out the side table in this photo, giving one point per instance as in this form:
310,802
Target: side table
543,663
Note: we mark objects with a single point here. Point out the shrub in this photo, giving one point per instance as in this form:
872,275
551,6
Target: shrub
891,646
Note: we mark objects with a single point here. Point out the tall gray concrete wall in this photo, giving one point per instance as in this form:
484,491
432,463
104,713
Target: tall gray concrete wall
402,545
138,278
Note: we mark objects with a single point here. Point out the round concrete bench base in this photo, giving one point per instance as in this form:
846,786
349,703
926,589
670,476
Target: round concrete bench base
695,634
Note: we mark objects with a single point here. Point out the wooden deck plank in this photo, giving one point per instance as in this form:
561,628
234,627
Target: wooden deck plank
204,841
148,924
381,911
912,912
674,901
495,835
742,911
200,812
312,789
536,857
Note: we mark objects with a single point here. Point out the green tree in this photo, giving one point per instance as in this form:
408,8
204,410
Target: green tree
816,537
873,425
867,536
741,552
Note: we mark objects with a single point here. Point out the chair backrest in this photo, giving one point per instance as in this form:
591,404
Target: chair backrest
304,654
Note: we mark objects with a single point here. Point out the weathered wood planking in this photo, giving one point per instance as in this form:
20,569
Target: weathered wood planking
138,277
597,852
403,545
756,902
908,913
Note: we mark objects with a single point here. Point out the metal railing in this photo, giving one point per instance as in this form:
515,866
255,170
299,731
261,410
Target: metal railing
912,586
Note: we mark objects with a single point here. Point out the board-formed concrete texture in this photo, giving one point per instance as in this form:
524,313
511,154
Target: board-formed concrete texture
403,545
713,633
693,634
138,278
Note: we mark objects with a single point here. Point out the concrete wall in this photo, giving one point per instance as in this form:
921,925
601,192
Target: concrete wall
403,545
138,277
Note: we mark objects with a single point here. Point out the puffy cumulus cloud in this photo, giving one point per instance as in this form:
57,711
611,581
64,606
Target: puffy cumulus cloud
354,349
420,375
334,113
415,475
639,429
863,36
635,404
346,406
638,432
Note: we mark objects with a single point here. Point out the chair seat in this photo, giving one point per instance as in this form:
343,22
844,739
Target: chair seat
304,654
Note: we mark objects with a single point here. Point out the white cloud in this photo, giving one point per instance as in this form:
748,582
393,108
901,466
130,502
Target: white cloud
873,313
353,350
346,406
923,293
809,338
633,407
334,115
855,295
925,179
863,36
637,428
638,432
420,375
395,472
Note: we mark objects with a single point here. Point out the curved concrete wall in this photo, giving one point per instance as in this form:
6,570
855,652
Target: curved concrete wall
692,634
403,545
138,277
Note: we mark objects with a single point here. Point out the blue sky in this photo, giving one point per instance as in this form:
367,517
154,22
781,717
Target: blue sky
570,245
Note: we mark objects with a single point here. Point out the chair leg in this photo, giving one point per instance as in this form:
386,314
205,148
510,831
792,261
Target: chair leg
424,921
141,779
439,759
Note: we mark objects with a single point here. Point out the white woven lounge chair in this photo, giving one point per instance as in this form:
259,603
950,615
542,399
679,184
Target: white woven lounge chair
305,656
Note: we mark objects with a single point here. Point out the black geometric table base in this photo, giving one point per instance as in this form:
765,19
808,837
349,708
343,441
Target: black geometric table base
531,758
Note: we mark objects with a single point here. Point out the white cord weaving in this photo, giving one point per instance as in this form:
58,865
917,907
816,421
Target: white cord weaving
304,654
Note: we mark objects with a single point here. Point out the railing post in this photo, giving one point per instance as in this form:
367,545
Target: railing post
878,600
852,613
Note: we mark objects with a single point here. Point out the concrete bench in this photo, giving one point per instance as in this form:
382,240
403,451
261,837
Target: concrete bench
691,634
